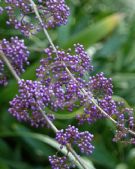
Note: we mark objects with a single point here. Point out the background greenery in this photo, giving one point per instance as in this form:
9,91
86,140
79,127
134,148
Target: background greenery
107,30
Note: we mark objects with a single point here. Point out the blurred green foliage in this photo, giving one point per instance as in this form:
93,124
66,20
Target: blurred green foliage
107,30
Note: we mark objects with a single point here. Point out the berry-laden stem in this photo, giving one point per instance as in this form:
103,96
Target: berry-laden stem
51,125
9,66
84,92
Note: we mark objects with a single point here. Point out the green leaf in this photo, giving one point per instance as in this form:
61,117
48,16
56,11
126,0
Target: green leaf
103,156
51,142
35,145
95,32
65,115
120,99
5,150
14,164
3,165
123,76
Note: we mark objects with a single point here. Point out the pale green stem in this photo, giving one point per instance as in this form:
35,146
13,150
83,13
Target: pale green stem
9,66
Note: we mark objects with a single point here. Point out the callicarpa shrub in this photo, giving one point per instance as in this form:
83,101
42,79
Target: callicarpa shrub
60,83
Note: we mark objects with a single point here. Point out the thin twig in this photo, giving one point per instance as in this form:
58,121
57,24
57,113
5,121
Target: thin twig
41,22
53,127
9,66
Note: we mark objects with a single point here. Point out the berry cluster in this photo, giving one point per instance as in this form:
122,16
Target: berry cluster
73,136
28,104
101,89
64,90
125,118
53,13
92,113
60,162
17,54
100,86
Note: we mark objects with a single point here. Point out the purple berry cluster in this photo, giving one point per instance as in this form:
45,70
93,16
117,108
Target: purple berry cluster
53,13
64,90
92,113
17,54
101,89
28,104
125,118
60,162
79,63
100,86
57,12
71,135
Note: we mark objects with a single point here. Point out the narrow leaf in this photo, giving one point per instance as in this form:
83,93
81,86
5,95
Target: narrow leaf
96,32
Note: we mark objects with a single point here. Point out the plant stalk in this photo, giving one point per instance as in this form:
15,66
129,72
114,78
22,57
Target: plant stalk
9,66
